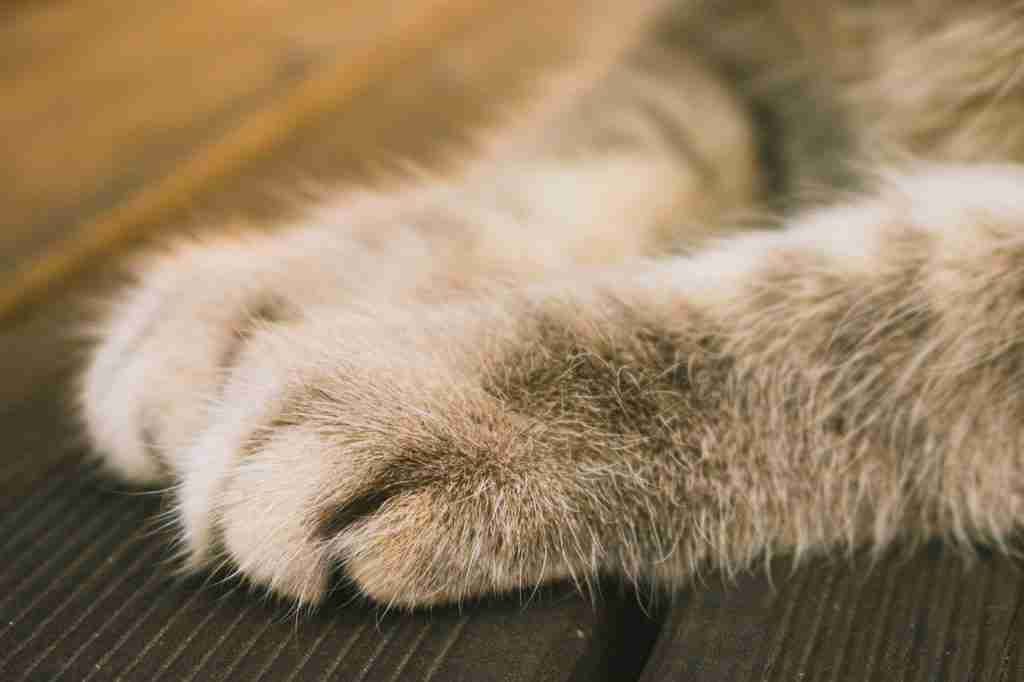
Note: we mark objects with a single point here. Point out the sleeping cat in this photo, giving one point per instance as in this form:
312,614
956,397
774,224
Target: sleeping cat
562,363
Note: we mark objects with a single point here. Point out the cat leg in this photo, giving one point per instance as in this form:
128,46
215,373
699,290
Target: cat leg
850,380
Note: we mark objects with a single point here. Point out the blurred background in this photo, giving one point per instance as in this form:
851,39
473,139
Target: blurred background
120,119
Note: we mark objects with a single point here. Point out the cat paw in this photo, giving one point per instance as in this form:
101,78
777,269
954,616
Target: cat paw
402,447
364,446
300,440
171,340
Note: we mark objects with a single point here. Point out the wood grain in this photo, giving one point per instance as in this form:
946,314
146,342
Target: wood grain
114,112
119,118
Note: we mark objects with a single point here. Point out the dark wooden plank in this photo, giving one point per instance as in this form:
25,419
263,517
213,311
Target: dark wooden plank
929,616
91,598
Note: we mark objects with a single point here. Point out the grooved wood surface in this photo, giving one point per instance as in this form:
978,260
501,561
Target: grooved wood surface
84,596
929,616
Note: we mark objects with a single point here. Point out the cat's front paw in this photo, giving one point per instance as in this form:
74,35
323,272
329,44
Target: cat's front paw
295,442
437,453
369,447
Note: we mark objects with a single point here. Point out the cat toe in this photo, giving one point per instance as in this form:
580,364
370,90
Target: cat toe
167,350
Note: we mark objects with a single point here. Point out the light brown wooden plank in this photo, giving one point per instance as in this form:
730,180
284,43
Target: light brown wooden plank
121,124
116,119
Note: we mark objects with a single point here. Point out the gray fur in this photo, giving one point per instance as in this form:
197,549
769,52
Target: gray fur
482,383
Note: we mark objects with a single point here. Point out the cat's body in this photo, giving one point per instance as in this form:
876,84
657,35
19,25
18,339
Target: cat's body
484,382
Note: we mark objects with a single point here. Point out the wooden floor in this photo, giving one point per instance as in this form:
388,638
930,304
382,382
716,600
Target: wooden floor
119,118
120,121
